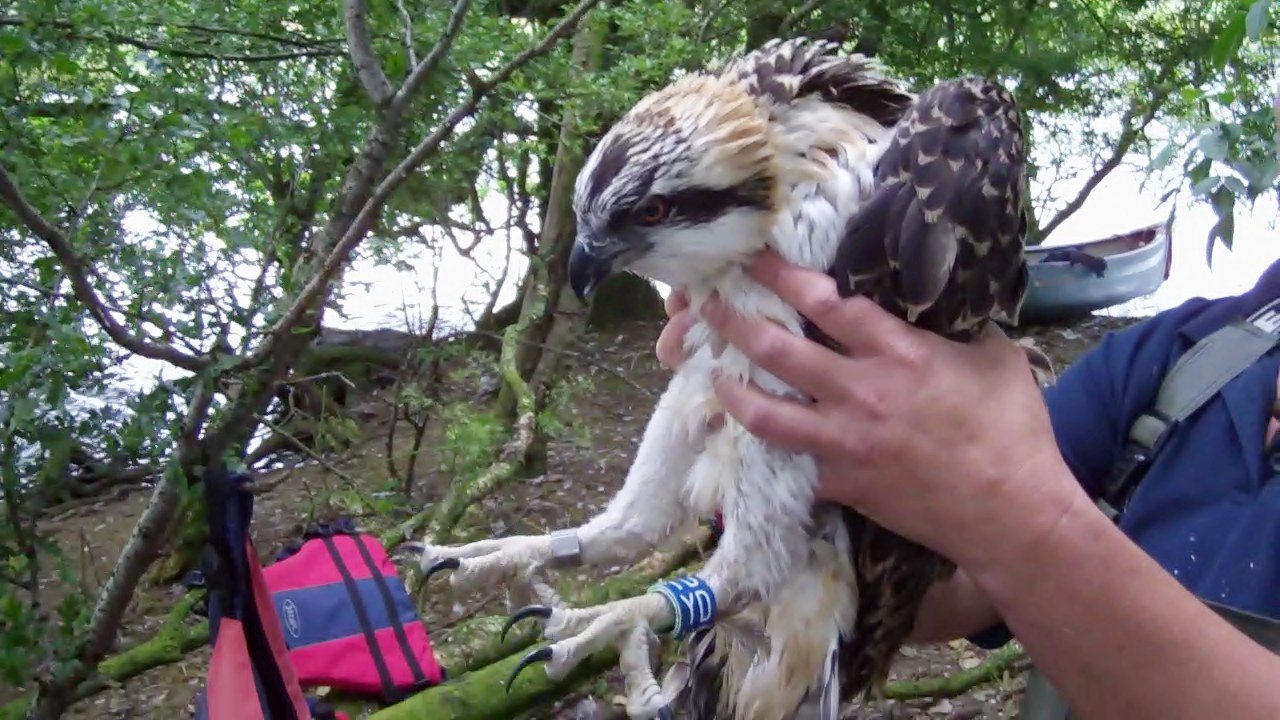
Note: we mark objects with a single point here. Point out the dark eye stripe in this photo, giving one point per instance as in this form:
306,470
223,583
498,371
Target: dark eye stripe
695,206
699,205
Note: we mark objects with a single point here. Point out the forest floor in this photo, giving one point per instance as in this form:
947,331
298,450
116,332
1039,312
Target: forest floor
612,382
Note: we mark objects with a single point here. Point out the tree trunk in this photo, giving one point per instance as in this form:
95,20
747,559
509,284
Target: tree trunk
550,316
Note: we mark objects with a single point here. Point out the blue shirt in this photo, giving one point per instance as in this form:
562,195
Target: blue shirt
1208,508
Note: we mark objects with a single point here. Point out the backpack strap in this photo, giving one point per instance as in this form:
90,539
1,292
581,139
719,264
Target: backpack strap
1195,378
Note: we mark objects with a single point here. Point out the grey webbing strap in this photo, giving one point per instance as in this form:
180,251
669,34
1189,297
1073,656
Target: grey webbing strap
1197,376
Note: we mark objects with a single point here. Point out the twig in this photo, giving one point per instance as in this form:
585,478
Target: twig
320,376
350,481
368,68
424,69
78,274
950,686
1128,135
407,38
18,20
575,355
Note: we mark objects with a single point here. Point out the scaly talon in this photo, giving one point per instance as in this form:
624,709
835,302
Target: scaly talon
445,564
542,654
539,611
407,548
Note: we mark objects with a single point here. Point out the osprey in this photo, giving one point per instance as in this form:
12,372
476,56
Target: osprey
915,202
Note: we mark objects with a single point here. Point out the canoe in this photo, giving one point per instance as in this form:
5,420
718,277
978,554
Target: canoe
1069,281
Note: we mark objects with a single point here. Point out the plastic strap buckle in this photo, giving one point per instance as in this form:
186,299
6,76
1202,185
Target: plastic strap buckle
693,603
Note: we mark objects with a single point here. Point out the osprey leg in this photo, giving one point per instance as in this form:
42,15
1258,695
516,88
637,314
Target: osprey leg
680,606
648,509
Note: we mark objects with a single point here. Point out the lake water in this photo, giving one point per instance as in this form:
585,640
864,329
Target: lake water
374,295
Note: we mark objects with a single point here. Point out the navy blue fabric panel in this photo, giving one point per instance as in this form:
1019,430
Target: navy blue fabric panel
322,613
1098,397
1208,508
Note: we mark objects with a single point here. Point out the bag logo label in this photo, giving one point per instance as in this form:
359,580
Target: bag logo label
1267,319
292,619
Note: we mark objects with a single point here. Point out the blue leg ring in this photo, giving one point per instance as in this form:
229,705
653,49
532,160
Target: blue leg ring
693,602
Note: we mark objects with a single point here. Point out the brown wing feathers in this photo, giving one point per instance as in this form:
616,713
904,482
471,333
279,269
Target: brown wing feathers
940,242
940,245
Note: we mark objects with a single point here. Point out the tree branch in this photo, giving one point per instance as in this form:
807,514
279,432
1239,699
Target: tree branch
407,20
78,274
799,14
111,36
55,695
367,214
431,61
1129,132
368,68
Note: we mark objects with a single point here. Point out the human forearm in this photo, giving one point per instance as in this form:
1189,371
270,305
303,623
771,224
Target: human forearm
953,608
1116,634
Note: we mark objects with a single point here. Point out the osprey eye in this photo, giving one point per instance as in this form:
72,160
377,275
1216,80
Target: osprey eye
653,211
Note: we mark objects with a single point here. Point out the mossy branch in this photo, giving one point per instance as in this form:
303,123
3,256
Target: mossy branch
480,663
516,398
461,495
483,694
949,686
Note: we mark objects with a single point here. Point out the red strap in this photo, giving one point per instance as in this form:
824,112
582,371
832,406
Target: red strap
275,637
231,692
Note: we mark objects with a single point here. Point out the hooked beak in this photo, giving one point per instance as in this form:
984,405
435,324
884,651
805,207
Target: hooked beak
588,266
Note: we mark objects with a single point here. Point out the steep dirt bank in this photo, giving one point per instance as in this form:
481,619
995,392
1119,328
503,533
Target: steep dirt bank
611,384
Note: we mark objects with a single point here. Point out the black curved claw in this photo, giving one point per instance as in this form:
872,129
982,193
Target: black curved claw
539,611
542,654
407,548
445,564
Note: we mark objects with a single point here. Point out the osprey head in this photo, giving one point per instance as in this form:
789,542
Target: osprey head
681,187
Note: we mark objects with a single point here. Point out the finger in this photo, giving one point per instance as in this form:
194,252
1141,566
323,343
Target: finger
837,485
670,346
781,421
855,322
675,302
797,361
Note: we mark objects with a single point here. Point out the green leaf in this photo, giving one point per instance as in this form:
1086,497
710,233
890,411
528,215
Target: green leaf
1224,205
64,64
1234,184
1214,145
1228,43
1164,157
1205,186
12,43
1256,21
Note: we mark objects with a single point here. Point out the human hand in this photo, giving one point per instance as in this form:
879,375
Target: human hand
670,347
942,442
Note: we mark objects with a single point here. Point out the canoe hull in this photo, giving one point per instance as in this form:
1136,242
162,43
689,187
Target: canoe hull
1136,264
